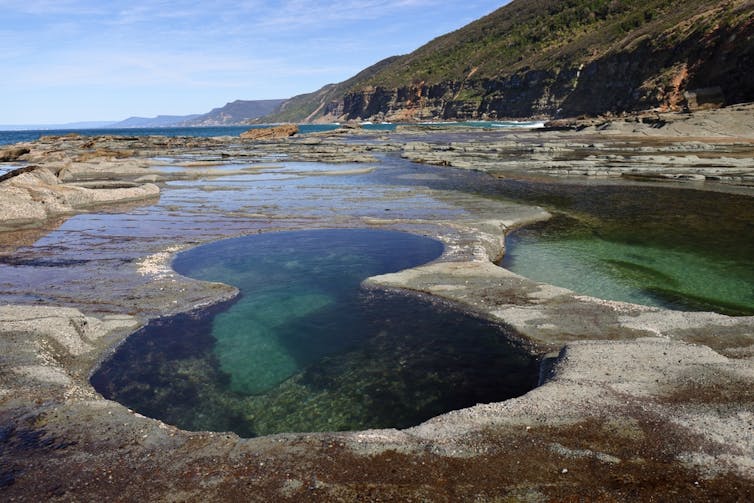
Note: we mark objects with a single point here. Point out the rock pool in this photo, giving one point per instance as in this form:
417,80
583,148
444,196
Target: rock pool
679,249
305,348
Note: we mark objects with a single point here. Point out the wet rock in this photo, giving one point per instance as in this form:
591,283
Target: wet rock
664,402
587,147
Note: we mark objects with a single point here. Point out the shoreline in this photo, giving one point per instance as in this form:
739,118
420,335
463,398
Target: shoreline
635,391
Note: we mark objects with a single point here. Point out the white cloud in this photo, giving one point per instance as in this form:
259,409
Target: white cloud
293,14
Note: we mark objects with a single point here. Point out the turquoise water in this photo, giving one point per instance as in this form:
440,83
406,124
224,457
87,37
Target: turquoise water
595,258
305,348
665,245
295,308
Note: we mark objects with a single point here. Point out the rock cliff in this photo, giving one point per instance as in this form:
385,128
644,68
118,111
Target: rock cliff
558,58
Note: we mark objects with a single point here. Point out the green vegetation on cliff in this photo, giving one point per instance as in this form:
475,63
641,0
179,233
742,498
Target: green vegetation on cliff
533,34
307,107
539,57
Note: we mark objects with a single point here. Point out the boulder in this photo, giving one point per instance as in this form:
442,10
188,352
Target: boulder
705,98
33,196
12,153
271,133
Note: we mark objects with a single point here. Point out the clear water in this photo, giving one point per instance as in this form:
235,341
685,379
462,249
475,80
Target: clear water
656,244
305,348
597,259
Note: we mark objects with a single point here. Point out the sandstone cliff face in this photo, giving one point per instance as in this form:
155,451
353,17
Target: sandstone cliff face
641,77
708,54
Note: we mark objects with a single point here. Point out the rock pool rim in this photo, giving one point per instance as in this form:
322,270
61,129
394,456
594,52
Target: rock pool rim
509,343
225,301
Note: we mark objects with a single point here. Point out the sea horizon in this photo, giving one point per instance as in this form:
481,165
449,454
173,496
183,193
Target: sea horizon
13,136
9,137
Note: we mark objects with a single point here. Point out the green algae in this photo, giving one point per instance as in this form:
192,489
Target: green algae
691,302
639,273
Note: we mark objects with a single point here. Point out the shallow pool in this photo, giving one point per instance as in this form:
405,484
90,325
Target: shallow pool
613,261
306,348
660,244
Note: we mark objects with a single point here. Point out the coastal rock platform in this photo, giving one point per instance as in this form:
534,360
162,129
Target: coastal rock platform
636,403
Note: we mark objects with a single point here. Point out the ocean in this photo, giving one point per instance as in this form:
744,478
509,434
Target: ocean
11,137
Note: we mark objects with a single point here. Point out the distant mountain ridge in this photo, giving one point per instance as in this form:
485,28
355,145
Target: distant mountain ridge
556,57
238,112
147,122
235,112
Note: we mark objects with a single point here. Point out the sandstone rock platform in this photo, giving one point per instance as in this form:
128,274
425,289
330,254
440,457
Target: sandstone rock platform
636,403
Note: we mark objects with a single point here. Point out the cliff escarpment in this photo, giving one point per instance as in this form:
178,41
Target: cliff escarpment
558,58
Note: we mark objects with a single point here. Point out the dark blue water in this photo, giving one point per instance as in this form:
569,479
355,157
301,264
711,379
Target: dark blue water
305,348
11,137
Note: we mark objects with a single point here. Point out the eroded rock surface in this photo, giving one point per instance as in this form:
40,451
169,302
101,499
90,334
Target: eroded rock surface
637,403
716,145
629,419
33,197
12,153
271,133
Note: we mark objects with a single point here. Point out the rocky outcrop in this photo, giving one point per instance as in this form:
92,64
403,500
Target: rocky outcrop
271,133
597,147
705,98
638,404
12,153
31,198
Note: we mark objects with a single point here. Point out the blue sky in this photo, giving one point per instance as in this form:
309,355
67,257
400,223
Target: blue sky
75,60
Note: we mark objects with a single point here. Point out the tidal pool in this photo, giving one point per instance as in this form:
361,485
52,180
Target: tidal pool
666,264
306,348
664,245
